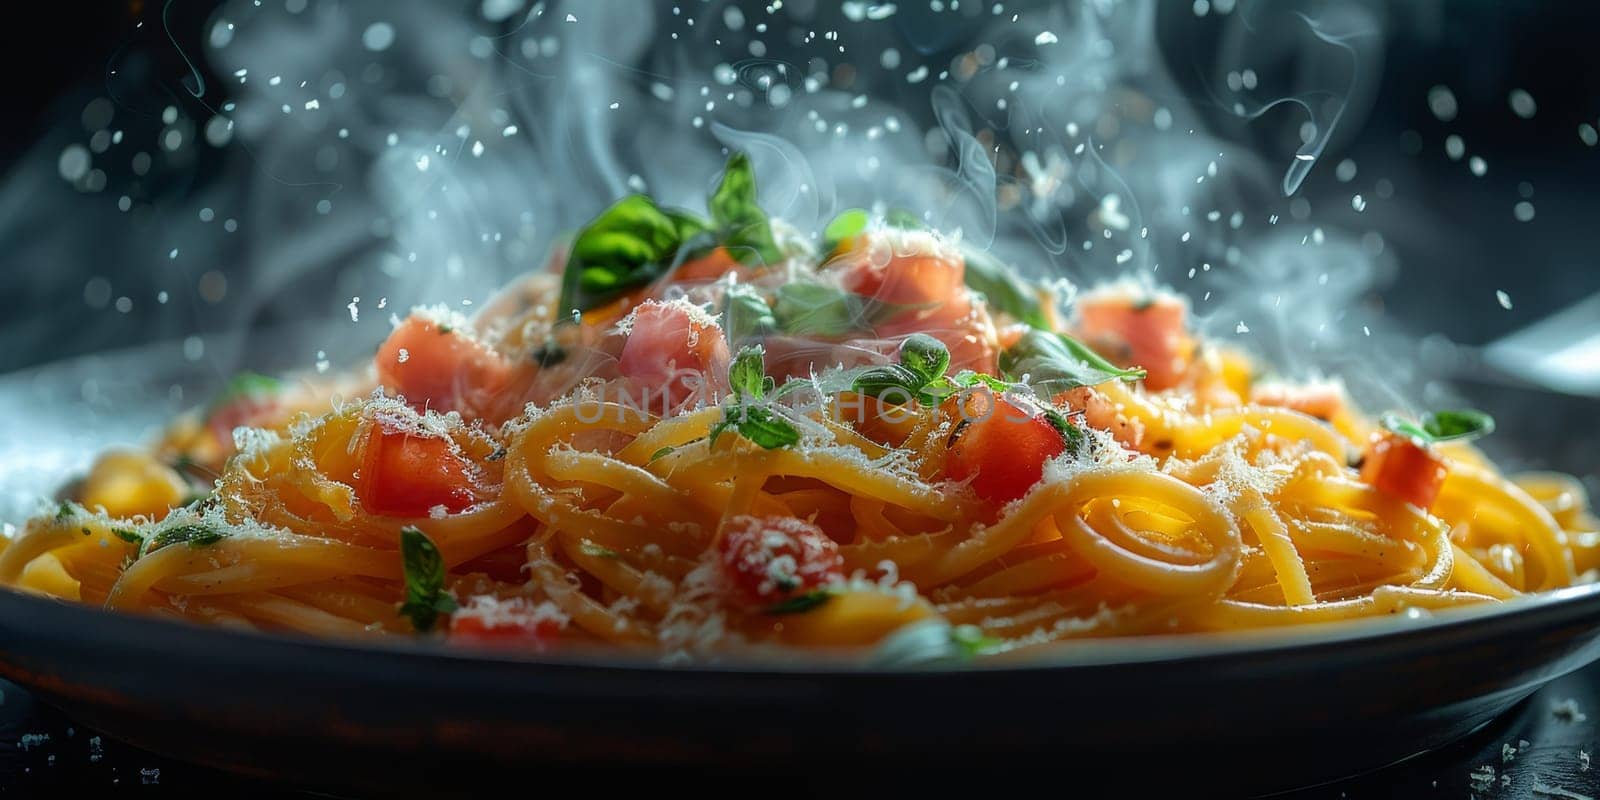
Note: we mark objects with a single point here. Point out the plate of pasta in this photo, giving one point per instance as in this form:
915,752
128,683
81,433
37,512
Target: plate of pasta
706,466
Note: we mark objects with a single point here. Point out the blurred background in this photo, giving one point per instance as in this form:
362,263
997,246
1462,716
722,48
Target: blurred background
1393,192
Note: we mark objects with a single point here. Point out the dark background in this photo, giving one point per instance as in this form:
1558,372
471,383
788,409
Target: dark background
1452,232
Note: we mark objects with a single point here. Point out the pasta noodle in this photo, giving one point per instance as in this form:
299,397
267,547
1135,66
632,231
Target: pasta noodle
500,483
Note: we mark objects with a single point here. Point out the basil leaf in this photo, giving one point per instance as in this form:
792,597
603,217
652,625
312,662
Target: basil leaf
662,453
194,535
748,373
631,243
741,225
920,374
745,315
967,379
849,224
925,356
760,425
891,383
1003,288
129,535
800,604
424,572
1070,433
812,309
1058,363
1457,425
1405,427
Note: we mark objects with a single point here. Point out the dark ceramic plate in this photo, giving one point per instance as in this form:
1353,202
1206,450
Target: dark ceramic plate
1252,713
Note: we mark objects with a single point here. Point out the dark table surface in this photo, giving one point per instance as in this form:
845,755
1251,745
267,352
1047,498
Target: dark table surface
1541,749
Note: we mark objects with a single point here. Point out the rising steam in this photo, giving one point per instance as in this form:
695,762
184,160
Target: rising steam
373,155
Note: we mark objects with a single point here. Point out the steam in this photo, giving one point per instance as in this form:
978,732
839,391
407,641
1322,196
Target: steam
381,155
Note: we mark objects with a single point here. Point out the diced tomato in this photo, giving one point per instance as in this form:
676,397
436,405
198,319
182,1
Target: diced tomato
769,559
1000,445
439,368
505,625
1404,468
902,270
1321,400
1146,332
408,473
673,352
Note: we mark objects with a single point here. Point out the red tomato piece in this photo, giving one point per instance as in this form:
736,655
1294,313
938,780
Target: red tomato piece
673,352
902,273
505,624
1000,445
1404,468
768,559
1146,332
408,474
437,367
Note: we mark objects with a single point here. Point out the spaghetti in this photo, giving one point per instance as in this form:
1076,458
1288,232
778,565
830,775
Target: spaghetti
705,435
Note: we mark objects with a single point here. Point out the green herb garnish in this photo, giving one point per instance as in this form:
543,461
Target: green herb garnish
920,375
745,315
1003,288
635,241
800,604
630,244
1058,362
1070,433
925,356
747,375
192,535
813,309
758,424
741,225
746,413
424,572
847,225
923,360
1455,425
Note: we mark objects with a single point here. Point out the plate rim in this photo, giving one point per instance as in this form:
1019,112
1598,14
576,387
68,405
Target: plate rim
1081,654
